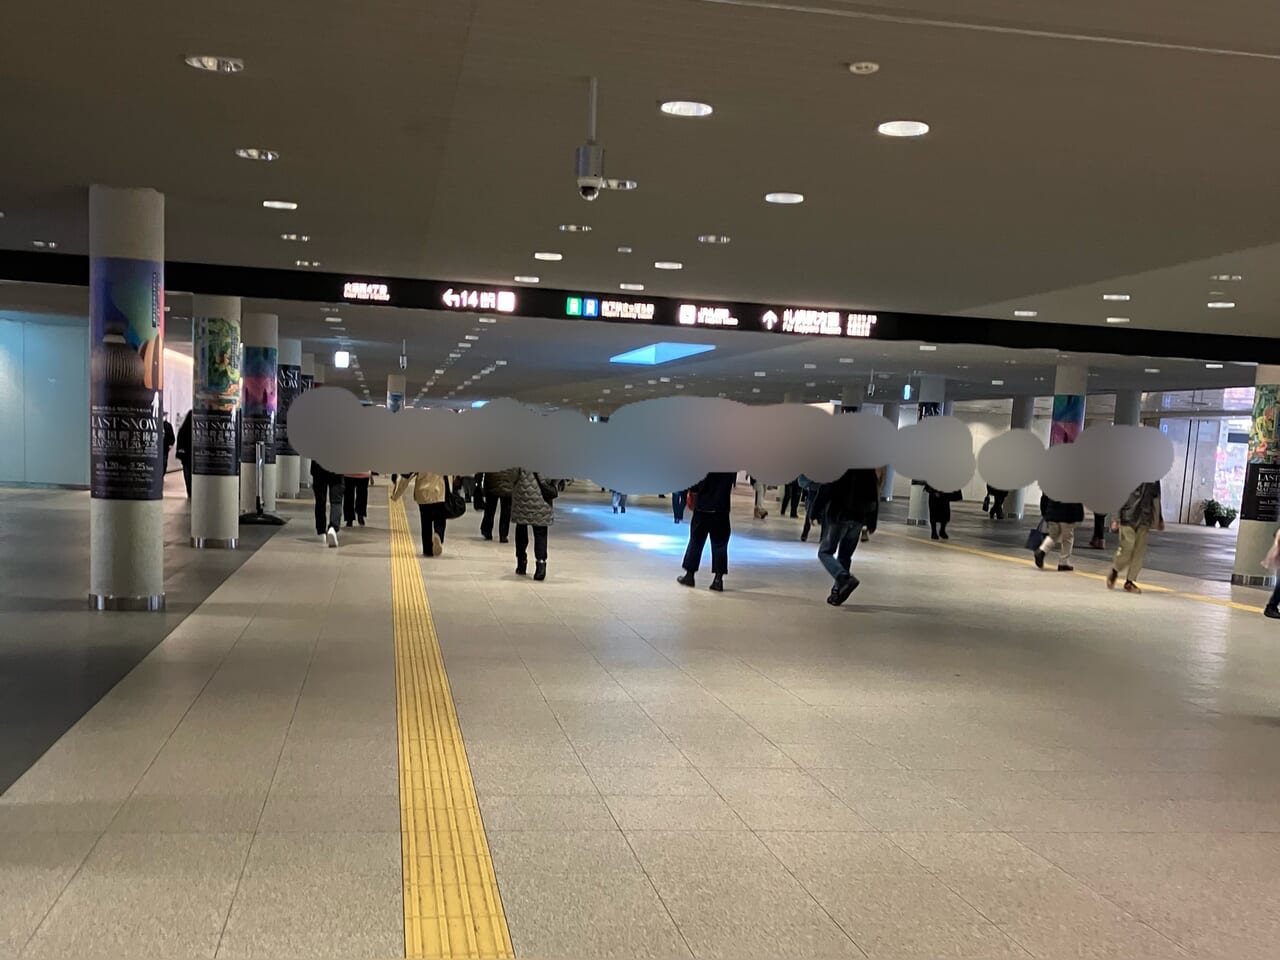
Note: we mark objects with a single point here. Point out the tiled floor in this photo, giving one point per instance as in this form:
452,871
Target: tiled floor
970,760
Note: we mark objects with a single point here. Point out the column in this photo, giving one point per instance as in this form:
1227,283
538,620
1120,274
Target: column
891,412
1070,384
1260,505
308,381
933,393
288,386
321,372
948,408
215,459
1128,408
260,332
850,399
1024,411
126,391
395,392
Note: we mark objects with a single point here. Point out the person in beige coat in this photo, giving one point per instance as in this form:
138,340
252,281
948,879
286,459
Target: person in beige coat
428,494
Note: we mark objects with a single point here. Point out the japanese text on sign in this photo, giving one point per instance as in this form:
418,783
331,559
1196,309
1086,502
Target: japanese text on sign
366,291
503,301
691,315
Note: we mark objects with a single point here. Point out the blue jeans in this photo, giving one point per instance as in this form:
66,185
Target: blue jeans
839,540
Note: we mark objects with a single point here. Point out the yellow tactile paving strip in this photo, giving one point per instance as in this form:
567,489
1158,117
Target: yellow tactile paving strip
452,907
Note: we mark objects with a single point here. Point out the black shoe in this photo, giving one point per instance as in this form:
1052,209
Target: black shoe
843,588
501,539
361,520
487,536
522,567
717,584
349,522
1039,559
1066,568
624,509
1272,613
935,535
540,570
1112,577
943,535
686,580
615,509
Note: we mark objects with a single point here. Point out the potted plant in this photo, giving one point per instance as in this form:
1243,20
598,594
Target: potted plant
1212,511
1226,516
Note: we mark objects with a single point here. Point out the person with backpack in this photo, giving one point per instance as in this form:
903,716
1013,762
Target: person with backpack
1140,513
532,500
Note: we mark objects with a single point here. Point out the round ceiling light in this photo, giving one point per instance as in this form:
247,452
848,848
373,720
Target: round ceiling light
784,196
668,265
864,68
521,278
257,153
1221,305
279,204
686,108
714,238
903,128
216,64
548,256
574,228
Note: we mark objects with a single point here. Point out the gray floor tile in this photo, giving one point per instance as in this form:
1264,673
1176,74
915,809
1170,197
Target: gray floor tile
217,813
673,813
683,781
330,813
34,869
546,813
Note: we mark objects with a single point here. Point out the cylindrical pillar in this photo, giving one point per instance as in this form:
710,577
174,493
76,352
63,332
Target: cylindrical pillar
288,386
308,381
126,431
1022,417
321,372
891,412
395,392
260,333
1070,384
933,393
1260,505
215,459
948,408
1128,408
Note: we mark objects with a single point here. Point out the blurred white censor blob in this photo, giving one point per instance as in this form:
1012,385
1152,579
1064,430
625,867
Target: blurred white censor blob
669,443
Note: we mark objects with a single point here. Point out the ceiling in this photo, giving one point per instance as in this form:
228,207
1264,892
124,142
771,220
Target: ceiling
1075,150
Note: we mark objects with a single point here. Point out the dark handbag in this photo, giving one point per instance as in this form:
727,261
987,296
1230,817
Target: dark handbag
455,505
1035,537
955,496
548,488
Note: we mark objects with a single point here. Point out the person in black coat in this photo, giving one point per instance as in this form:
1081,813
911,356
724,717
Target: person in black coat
1060,526
184,450
846,506
993,503
712,496
940,510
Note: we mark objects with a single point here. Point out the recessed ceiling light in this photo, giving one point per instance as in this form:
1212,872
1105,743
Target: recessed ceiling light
811,384
784,197
1213,366
903,128
296,237
1026,313
760,373
811,366
257,153
997,383
631,286
332,319
1221,304
574,228
754,390
846,359
714,238
307,263
668,265
488,319
624,249
1151,370
216,64
928,347
686,108
45,244
1227,277
522,278
1117,319
863,68
612,184
500,363
548,256
471,336
279,204
1116,297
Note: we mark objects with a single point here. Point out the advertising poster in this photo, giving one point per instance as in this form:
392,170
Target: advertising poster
214,451
395,402
1261,499
1262,429
258,403
308,382
126,338
1068,419
288,387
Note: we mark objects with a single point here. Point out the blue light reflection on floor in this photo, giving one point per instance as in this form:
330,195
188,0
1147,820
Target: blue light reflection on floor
653,531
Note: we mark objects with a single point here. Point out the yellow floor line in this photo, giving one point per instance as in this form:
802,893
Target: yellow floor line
1021,561
452,907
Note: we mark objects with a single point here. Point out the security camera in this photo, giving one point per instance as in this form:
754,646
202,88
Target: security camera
871,389
404,362
589,167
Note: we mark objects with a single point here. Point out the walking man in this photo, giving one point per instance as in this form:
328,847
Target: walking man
1061,520
712,497
1139,514
846,506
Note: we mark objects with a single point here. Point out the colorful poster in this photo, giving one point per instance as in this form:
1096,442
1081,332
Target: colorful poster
1262,430
126,338
258,393
288,387
395,401
216,388
1068,419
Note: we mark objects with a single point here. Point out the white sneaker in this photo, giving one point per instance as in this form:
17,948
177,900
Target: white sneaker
332,537
437,546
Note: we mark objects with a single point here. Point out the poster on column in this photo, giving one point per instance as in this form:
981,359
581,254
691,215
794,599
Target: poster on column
214,447
395,402
258,389
288,387
1261,499
1068,419
308,382
126,337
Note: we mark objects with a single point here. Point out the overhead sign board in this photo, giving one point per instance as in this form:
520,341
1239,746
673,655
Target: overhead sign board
694,315
503,301
357,290
824,323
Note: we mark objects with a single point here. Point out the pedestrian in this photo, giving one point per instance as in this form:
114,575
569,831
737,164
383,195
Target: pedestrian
1139,514
712,497
791,496
619,501
1099,541
498,486
428,493
1272,563
532,505
327,487
184,451
355,498
993,502
759,512
679,500
169,440
940,510
810,488
1060,520
873,518
846,506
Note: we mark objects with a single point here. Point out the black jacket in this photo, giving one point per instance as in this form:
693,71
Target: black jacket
854,497
184,439
713,493
1054,511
